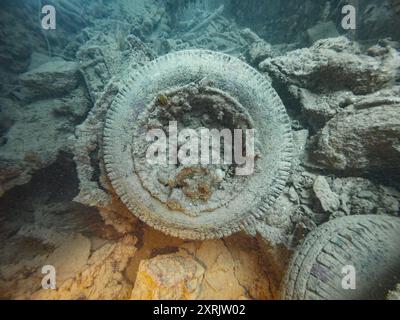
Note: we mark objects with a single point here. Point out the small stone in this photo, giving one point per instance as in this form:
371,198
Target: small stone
329,200
362,140
53,78
168,277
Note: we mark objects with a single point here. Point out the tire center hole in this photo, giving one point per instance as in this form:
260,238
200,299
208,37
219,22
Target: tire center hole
184,115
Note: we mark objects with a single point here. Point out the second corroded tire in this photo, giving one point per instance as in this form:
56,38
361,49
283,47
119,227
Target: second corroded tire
368,244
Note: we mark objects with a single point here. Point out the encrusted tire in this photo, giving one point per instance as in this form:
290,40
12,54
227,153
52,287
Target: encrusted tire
232,81
368,243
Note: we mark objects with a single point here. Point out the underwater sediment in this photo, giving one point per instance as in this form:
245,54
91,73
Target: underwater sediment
78,193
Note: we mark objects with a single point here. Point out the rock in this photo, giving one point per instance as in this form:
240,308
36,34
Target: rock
233,268
168,277
303,183
102,278
102,59
338,44
329,200
51,79
326,68
258,51
362,196
258,269
45,227
318,109
322,30
168,45
12,174
362,140
384,97
70,257
38,59
38,132
300,141
394,294
277,225
388,42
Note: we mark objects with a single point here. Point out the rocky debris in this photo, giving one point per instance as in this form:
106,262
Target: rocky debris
226,275
258,49
168,277
101,61
76,246
394,294
384,97
39,132
51,79
329,200
233,268
85,268
38,59
361,140
360,196
290,218
38,247
40,225
318,109
105,55
101,278
278,225
310,200
325,68
347,136
339,44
